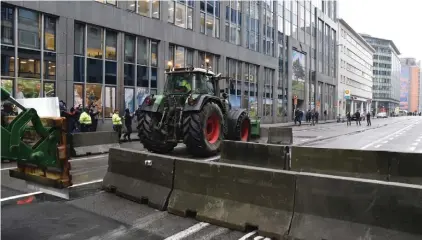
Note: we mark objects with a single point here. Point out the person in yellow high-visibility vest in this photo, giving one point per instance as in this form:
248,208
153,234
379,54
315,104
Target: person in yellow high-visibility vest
117,123
85,121
183,86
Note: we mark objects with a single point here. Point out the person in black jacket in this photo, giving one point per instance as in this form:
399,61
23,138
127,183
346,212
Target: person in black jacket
368,118
357,114
128,123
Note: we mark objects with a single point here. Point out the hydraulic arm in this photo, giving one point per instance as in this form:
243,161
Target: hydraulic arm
44,161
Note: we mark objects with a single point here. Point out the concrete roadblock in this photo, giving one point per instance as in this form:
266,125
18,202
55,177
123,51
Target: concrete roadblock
331,207
93,143
341,162
406,167
255,154
280,135
140,176
234,196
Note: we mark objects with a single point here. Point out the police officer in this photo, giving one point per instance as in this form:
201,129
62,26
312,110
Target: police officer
117,123
85,121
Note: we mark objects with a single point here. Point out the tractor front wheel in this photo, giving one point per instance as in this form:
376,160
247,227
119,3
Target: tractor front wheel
203,131
152,139
242,129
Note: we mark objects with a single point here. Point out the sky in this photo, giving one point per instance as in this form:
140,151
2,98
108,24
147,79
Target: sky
397,20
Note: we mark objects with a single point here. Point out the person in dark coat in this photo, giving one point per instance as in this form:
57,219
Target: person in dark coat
357,114
93,112
368,118
128,123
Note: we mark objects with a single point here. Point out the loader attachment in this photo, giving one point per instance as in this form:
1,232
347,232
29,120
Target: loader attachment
38,145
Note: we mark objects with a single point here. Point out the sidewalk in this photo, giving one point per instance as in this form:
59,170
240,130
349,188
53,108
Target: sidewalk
291,124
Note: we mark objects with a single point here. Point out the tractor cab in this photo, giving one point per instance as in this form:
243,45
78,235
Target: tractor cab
189,81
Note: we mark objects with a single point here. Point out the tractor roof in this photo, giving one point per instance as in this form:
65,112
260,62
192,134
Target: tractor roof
201,70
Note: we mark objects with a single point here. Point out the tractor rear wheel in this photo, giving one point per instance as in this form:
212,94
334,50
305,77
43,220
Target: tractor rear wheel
203,131
152,139
242,130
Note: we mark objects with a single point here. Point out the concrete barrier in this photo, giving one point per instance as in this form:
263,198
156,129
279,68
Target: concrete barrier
140,176
342,162
331,207
254,154
280,135
93,143
406,167
234,196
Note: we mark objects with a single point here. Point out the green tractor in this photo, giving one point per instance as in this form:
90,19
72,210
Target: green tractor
191,111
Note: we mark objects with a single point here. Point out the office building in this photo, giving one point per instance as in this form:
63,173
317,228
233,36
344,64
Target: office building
355,71
114,53
386,72
409,85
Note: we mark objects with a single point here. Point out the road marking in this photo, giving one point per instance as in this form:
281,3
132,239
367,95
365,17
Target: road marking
391,138
415,144
412,149
258,238
418,140
20,196
247,235
71,160
86,183
386,137
189,231
385,142
377,146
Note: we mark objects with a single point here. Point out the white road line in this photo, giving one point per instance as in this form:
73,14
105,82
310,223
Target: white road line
412,149
247,235
8,168
377,146
384,138
418,140
258,238
415,144
20,196
189,231
71,160
86,183
391,138
385,142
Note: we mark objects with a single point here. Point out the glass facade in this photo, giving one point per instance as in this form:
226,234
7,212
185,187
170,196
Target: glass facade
210,18
145,8
28,65
233,21
180,13
252,24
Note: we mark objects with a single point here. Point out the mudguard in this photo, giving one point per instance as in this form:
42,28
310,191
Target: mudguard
154,107
200,101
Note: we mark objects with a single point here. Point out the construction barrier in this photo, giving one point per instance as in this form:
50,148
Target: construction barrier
234,196
255,154
341,162
331,207
140,176
280,135
93,143
406,167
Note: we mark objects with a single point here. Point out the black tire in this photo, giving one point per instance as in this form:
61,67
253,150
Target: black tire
151,139
198,142
242,130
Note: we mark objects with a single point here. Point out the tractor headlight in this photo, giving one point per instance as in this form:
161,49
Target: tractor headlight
191,101
149,100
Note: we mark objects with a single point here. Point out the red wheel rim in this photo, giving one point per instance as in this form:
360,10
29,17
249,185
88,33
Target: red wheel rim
244,131
213,128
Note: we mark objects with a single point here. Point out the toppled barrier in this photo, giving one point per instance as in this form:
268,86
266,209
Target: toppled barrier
140,176
255,154
280,135
341,162
93,143
234,196
330,207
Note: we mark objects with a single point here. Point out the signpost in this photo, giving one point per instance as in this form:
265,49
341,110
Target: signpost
347,94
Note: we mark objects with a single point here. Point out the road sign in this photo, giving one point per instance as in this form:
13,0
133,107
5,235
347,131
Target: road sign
347,94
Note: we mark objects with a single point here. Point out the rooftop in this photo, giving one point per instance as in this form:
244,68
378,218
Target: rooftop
388,40
357,35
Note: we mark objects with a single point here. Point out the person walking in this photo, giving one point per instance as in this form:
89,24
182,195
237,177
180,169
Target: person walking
357,115
85,121
313,117
349,119
117,123
316,117
128,123
368,118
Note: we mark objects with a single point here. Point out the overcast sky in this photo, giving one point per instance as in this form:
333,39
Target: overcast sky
397,20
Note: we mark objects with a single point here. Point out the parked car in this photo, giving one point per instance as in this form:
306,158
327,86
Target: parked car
382,115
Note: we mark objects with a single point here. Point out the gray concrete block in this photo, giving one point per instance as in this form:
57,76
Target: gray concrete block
280,135
254,154
94,138
140,176
329,207
95,149
234,196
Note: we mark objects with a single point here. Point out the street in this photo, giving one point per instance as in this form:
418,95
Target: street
101,215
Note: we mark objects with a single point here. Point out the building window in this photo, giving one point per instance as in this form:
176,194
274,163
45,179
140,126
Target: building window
181,13
111,45
49,33
29,23
7,61
111,2
95,42
213,61
252,25
268,39
210,18
7,24
250,73
79,35
233,22
130,48
180,57
267,97
145,8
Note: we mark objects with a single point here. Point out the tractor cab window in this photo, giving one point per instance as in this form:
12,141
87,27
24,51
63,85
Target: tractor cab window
183,83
